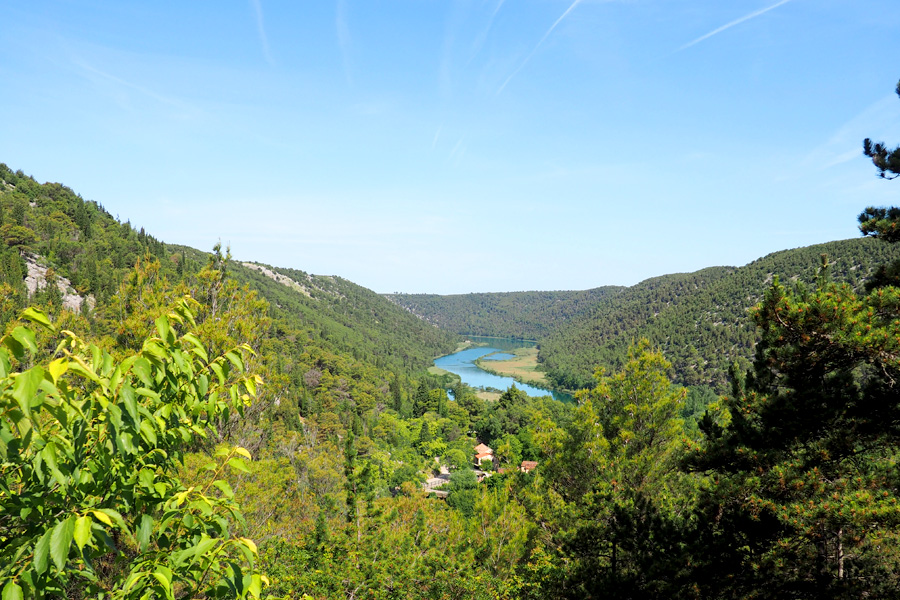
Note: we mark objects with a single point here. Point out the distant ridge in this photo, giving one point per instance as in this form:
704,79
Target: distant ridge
521,315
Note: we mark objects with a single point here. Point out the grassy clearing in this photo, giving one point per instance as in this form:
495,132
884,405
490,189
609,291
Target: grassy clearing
488,396
438,371
522,368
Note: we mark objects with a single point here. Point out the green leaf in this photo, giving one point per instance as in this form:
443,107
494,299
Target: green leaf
4,363
83,531
219,371
238,464
147,393
146,477
164,576
144,531
12,591
165,332
78,366
126,394
97,358
203,546
25,386
133,579
165,573
126,442
224,487
235,359
48,454
243,452
36,315
147,432
202,382
238,578
25,337
255,587
143,370
60,541
198,349
14,345
153,349
201,505
42,552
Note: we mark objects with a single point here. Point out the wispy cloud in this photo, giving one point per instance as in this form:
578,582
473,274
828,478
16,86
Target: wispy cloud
752,15
844,145
343,36
261,29
437,136
456,155
96,73
535,49
479,41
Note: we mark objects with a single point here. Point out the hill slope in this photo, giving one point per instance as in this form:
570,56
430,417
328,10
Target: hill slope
349,317
700,320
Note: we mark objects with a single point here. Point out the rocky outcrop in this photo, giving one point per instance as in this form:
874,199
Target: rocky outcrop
282,279
37,278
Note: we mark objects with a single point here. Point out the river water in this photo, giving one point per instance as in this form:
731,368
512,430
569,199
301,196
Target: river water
463,364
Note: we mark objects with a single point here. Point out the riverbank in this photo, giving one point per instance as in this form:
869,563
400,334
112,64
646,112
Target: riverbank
523,367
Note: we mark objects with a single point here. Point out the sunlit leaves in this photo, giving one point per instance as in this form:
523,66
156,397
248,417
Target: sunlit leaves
90,447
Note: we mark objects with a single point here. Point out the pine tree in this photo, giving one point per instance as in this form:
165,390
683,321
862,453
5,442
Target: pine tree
887,161
420,402
396,393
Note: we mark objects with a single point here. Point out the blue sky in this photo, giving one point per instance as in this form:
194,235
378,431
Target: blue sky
456,146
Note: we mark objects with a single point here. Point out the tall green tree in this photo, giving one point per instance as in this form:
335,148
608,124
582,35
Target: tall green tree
614,468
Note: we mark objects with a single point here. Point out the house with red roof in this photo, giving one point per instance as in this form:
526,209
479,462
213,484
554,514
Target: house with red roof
483,452
528,466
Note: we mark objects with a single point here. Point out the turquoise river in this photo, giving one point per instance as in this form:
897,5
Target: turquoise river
462,363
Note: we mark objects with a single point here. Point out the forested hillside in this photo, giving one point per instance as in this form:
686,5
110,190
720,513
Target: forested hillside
521,315
700,320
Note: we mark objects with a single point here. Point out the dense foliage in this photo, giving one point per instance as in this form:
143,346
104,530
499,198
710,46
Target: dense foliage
90,499
806,495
